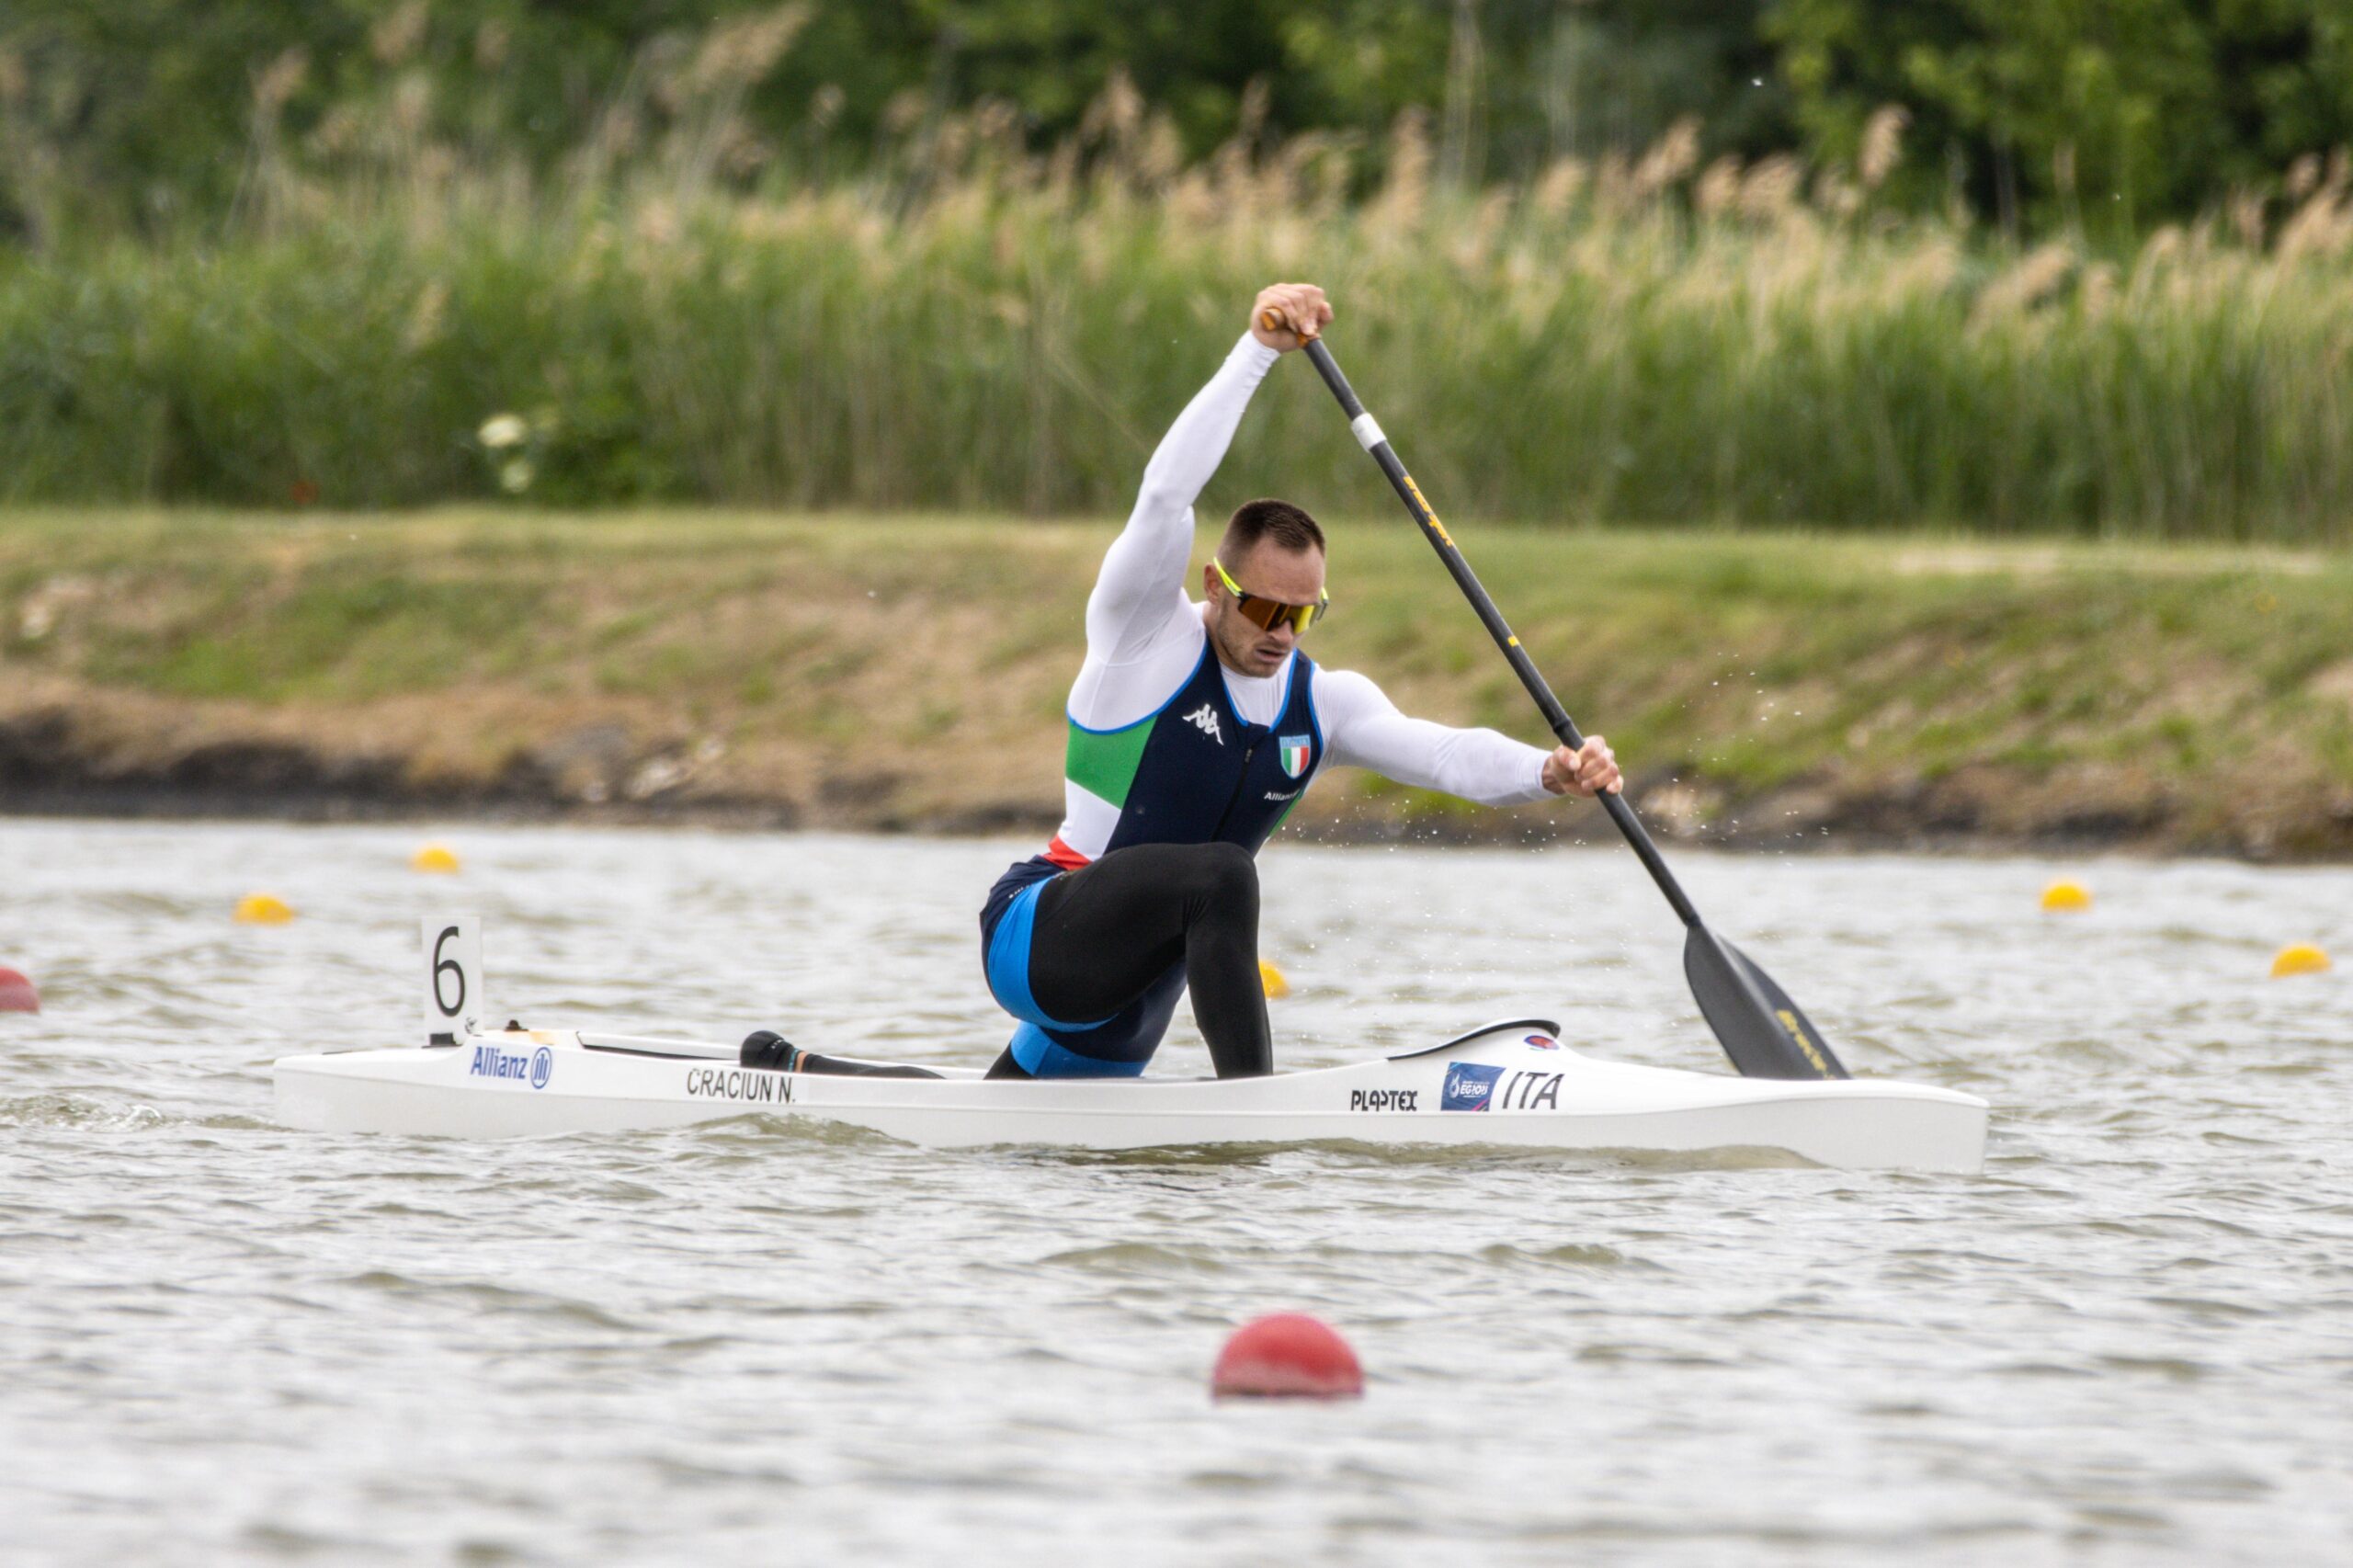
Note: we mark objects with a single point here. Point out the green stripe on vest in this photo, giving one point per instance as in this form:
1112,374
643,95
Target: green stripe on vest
1105,765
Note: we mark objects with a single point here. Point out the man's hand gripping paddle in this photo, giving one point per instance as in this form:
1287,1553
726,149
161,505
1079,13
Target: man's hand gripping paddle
1761,1029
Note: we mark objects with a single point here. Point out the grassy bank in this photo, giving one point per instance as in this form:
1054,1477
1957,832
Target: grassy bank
882,672
1647,340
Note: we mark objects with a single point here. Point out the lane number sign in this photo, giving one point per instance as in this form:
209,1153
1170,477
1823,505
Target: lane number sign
454,1003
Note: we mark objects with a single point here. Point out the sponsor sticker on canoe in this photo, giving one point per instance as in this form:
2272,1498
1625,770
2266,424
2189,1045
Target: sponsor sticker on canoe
536,1069
1469,1087
1384,1099
1543,1042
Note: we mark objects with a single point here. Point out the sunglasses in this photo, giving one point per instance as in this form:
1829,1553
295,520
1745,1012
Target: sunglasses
1264,613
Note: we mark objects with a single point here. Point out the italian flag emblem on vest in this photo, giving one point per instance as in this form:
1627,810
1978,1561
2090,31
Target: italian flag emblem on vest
1295,749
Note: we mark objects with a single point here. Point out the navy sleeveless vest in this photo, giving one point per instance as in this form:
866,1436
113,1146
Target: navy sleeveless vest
1202,775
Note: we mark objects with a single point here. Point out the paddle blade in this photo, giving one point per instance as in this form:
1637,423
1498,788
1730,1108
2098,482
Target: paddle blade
1760,1029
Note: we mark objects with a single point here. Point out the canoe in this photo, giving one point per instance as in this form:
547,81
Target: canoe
1510,1084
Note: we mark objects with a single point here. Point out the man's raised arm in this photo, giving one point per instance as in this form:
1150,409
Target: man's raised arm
1142,582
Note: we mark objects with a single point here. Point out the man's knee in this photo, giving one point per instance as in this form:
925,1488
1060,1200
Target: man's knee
1225,874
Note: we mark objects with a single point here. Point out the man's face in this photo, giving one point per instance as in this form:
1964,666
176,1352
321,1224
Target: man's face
1265,571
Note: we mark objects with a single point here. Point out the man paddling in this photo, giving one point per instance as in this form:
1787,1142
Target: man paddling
1194,728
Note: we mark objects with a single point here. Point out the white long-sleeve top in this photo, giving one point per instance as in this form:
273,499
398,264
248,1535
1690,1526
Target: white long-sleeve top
1144,633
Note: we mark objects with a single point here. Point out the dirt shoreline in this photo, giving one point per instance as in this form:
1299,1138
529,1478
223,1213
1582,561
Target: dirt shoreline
48,769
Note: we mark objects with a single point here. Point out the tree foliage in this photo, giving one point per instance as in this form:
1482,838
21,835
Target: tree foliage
2036,111
2117,111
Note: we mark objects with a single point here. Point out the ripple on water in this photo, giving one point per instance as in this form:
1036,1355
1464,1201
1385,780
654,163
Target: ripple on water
89,1112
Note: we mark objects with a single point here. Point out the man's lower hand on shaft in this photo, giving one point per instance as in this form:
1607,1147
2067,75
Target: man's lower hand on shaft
1587,772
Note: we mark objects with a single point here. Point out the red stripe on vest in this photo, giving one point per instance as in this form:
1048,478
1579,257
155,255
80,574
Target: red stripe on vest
1063,854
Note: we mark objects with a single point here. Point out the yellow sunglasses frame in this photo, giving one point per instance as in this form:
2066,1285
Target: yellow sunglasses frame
1300,617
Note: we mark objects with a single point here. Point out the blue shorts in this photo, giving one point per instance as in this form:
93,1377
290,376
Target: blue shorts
1047,1046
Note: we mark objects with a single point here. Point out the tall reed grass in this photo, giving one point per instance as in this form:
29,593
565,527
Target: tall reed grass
973,326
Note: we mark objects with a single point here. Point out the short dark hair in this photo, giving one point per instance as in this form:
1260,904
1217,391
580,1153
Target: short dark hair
1288,526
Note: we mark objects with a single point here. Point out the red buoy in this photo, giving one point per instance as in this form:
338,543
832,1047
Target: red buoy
17,994
1287,1356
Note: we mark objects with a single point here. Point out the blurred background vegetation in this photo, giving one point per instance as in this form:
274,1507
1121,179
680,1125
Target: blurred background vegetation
2116,112
2075,266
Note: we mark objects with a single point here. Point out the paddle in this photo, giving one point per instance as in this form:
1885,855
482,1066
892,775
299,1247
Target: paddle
1762,1030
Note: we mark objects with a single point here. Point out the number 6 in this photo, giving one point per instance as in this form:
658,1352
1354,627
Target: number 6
449,1009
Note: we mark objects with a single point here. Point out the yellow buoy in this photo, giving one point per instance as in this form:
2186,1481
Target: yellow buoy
2302,957
264,909
1272,979
2063,894
433,857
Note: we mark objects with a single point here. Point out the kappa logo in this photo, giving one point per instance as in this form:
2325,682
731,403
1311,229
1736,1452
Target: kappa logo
1205,717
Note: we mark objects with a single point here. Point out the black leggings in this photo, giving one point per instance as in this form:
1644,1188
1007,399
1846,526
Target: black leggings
1105,932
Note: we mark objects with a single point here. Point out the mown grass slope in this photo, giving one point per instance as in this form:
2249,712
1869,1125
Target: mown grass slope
885,671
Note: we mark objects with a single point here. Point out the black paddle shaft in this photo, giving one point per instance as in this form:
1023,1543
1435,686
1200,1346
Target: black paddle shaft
1369,434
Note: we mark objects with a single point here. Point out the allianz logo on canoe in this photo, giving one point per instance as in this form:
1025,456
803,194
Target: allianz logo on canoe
535,1069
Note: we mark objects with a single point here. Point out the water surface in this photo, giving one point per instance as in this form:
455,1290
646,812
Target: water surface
2131,1340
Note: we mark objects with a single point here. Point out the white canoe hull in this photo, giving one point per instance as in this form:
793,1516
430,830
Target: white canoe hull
1505,1085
